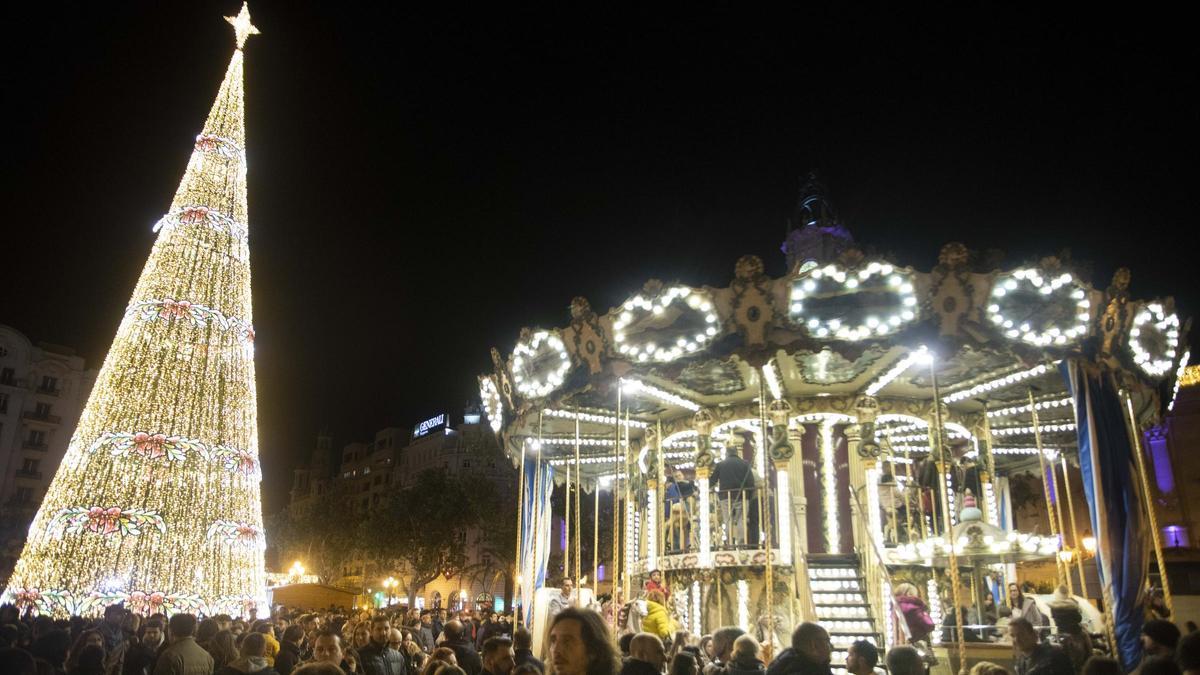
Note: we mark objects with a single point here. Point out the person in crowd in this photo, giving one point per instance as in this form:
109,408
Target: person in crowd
252,657
327,649
563,600
905,660
17,661
523,649
88,638
238,628
861,658
1159,638
733,480
272,649
183,656
746,658
490,629
378,657
722,648
111,628
677,521
223,648
1035,657
647,656
205,631
290,650
224,621
990,613
1159,665
1024,606
988,668
498,657
361,636
684,663
137,658
424,632
89,662
1075,641
1187,653
656,583
915,612
1156,605
456,639
318,668
580,644
441,656
624,643
526,669
658,620
706,648
395,639
810,653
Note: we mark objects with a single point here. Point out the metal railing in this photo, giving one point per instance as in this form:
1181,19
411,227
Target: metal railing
734,518
874,570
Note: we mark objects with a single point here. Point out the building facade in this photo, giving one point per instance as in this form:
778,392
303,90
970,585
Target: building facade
42,390
367,473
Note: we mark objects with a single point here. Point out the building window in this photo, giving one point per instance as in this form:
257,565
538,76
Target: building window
49,384
466,463
42,410
3,403
30,465
1175,536
36,437
7,376
24,495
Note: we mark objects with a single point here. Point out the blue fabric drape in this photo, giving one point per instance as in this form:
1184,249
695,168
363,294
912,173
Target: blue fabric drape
1111,486
535,540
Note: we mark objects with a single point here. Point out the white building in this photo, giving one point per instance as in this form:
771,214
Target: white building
42,390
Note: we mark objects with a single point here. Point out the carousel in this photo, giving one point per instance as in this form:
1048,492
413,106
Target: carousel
792,449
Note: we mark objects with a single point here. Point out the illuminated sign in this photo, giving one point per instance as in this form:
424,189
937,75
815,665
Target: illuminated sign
429,425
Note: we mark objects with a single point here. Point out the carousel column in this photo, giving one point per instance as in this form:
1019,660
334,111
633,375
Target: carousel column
863,454
987,472
781,452
652,501
703,423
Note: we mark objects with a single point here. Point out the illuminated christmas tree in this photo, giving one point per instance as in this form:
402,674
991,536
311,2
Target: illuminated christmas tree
156,503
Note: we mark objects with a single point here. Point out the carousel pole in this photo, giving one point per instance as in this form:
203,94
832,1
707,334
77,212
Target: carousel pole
1156,538
987,480
905,494
596,539
764,510
955,591
520,532
578,517
537,497
567,524
1046,488
1074,530
628,496
616,511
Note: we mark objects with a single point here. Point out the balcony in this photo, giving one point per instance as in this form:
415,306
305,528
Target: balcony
36,475
49,391
36,417
30,445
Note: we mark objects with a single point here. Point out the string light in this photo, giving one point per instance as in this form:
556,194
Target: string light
594,418
1031,282
902,365
145,508
1044,428
772,379
935,610
1167,326
891,282
639,308
1038,405
1179,373
635,387
493,406
530,375
998,383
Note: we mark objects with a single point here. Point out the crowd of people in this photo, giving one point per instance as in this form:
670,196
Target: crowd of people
578,641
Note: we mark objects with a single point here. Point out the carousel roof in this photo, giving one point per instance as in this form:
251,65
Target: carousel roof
823,336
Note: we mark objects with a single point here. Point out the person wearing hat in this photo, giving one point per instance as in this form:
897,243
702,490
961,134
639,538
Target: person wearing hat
1159,638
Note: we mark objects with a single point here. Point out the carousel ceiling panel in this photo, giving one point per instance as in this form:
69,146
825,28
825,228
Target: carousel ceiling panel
712,378
828,367
594,399
968,364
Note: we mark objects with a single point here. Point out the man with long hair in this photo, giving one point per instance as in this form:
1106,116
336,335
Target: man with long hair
580,644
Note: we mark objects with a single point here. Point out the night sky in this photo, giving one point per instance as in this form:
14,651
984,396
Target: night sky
425,182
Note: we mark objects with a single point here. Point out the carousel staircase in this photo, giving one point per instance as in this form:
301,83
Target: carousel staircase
840,599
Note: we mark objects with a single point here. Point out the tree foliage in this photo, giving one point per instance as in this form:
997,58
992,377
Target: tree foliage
320,531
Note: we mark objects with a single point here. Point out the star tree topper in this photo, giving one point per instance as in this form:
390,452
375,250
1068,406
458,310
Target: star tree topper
242,27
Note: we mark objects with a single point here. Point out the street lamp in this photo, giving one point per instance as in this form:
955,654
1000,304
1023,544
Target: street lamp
390,584
296,572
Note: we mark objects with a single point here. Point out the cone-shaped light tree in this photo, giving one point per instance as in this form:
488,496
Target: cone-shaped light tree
156,503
